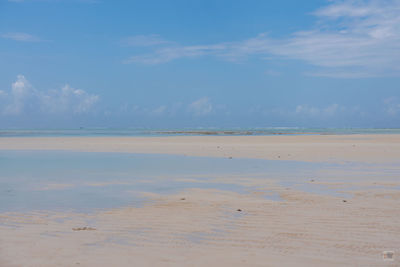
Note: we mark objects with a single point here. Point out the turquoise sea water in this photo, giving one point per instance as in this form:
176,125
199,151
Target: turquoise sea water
196,131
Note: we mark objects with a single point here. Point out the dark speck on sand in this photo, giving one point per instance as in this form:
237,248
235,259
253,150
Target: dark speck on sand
84,228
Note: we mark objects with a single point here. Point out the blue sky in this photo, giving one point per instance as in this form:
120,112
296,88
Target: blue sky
172,64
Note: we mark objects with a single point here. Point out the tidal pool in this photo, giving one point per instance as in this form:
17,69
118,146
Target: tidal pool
85,181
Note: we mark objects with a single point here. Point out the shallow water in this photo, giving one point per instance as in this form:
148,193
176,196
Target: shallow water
83,181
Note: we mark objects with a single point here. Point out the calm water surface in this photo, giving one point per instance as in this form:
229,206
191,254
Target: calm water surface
83,181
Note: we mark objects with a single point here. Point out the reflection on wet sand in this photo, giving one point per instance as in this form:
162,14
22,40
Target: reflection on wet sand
112,209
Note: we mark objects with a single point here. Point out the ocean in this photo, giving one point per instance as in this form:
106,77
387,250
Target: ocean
190,131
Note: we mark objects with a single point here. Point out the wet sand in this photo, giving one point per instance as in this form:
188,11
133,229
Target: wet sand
200,227
322,148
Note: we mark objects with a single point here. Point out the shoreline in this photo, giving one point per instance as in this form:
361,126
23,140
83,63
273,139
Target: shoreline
208,226
137,132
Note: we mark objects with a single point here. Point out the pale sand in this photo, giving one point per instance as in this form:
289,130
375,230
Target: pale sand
322,148
205,228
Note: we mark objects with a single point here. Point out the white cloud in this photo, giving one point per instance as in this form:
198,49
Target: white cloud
350,39
352,8
67,99
21,91
201,107
24,98
20,36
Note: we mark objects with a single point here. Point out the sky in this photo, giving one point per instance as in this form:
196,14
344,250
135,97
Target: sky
192,63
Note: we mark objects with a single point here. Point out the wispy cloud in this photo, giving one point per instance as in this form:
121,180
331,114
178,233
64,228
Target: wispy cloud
392,106
20,36
198,108
330,110
159,110
201,107
144,40
23,98
166,54
350,39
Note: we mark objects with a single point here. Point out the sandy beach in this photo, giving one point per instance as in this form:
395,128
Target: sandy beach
214,227
320,148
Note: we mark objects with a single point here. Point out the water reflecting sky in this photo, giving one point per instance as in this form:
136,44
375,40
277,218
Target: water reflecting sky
83,181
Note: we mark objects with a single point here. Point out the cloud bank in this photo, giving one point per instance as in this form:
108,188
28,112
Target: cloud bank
23,98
